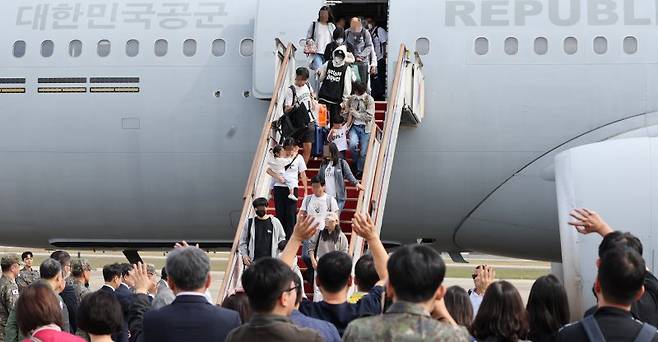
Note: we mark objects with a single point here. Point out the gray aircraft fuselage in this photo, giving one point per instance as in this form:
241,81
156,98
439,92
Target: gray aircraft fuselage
158,148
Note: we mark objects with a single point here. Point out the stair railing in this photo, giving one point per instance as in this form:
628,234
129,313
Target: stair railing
259,181
381,147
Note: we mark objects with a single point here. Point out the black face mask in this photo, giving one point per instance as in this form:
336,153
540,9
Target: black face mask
261,212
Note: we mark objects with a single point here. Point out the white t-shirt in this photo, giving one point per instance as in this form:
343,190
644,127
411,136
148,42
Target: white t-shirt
339,137
303,96
323,36
318,208
292,174
329,180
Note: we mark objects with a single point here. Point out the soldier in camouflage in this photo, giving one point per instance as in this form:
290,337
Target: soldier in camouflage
28,275
415,276
10,264
79,278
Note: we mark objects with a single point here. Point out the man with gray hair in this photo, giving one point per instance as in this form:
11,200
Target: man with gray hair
190,317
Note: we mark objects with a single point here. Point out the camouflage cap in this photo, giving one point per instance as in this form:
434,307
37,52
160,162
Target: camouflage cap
9,259
79,266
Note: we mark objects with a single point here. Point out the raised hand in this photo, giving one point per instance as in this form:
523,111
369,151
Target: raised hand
363,226
143,282
485,276
588,221
183,244
306,227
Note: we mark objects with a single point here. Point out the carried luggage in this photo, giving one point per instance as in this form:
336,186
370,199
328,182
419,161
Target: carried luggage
319,141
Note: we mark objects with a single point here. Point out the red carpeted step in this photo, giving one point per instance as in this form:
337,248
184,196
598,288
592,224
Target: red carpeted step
380,105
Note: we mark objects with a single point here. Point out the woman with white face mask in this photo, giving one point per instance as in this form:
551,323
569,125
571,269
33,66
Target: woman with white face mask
338,40
336,78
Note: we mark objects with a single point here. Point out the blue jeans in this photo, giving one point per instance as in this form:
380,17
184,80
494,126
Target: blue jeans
359,139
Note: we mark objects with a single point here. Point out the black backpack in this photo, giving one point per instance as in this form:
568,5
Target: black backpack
294,123
299,115
594,334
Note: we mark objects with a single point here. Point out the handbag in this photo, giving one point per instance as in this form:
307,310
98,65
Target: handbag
311,46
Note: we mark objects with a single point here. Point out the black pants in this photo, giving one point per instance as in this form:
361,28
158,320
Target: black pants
333,109
285,208
378,82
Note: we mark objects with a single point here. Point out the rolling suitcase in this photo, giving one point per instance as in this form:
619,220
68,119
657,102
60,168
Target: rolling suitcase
319,141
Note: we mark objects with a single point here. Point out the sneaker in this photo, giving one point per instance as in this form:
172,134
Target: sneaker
292,197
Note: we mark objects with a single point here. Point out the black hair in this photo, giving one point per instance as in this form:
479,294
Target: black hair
459,305
62,256
238,302
27,254
299,288
289,142
339,32
163,273
332,236
359,87
125,269
100,313
260,202
303,72
317,180
501,314
49,268
619,239
621,275
548,307
328,9
339,119
365,273
277,149
334,154
334,271
415,272
111,271
265,281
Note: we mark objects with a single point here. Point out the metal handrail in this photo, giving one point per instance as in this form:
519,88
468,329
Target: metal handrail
381,147
257,175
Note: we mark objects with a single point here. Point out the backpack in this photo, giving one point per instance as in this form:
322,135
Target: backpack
299,114
593,331
329,203
362,37
294,123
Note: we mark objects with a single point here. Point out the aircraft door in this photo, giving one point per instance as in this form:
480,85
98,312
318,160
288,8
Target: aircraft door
287,20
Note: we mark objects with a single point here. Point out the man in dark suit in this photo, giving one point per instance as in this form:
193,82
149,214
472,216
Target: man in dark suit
124,292
68,294
112,278
191,317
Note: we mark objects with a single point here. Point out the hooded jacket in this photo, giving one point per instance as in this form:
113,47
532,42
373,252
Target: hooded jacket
349,59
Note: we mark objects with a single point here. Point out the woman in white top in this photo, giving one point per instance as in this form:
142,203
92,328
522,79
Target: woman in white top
319,35
286,208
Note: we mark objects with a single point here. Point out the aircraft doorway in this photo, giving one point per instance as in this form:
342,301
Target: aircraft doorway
377,12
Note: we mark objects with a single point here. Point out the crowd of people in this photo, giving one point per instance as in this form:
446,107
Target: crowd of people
396,297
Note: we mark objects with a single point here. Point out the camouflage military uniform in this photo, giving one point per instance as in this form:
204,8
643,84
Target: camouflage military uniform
78,268
26,277
8,297
403,321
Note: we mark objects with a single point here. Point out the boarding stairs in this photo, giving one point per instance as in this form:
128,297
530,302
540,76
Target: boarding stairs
405,107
